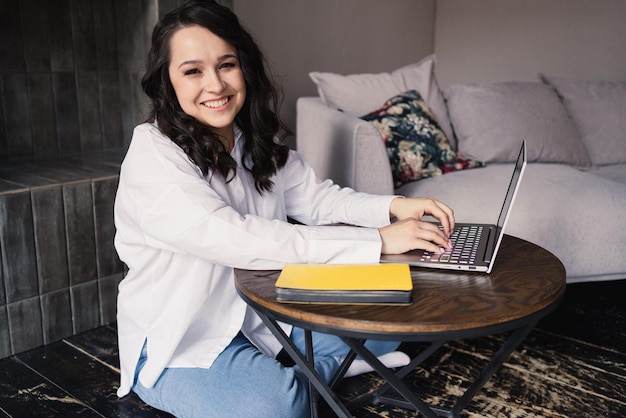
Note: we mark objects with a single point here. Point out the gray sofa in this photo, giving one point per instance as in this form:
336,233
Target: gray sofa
572,200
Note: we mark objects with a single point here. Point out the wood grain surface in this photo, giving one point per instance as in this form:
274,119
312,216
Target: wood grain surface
573,364
526,280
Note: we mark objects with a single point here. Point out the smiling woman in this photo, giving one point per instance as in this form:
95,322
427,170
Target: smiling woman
206,187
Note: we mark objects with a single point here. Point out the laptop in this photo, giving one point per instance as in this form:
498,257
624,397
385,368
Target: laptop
475,246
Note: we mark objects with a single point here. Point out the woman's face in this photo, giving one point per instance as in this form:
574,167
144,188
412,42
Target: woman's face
207,78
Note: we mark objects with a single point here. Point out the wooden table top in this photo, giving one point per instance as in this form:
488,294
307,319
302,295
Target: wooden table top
526,280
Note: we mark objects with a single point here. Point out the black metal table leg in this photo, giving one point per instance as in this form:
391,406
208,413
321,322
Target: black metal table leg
313,394
511,343
389,376
308,369
394,380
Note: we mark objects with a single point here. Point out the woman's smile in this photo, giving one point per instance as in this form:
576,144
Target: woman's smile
215,104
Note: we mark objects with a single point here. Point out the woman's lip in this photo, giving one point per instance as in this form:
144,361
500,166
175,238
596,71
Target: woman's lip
217,103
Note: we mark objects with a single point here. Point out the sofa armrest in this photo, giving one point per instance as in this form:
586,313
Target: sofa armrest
342,147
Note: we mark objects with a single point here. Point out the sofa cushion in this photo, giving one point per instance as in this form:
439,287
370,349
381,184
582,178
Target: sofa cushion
616,172
358,94
416,145
598,109
491,120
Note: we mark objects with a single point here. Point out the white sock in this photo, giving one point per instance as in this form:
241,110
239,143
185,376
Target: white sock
393,359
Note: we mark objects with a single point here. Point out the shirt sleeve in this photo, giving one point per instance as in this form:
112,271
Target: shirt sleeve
165,203
316,202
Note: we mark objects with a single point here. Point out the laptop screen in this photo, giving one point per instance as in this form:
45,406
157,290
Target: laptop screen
510,193
517,172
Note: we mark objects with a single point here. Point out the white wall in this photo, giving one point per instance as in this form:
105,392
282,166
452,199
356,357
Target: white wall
342,36
505,40
475,40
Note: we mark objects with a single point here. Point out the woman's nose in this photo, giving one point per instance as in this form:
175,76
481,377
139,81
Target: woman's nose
213,83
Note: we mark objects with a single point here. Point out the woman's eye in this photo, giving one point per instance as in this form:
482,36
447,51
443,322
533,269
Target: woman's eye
228,65
192,71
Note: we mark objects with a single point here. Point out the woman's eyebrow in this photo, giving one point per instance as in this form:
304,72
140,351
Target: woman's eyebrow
197,61
227,56
189,62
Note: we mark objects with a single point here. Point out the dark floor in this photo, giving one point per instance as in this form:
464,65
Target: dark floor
572,365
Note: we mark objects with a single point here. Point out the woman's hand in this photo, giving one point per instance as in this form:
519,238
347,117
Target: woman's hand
418,207
410,233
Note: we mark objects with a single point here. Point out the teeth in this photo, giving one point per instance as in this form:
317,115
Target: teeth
216,103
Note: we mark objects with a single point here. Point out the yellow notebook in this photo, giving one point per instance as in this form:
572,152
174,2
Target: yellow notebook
343,283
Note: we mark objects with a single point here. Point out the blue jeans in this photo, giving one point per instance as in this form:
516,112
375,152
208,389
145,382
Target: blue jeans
243,382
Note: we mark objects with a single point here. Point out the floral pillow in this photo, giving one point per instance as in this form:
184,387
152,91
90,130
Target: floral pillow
416,145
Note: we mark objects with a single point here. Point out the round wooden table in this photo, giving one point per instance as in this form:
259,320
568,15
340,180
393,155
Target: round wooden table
526,284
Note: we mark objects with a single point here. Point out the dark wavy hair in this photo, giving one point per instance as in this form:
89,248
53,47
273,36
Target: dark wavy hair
258,118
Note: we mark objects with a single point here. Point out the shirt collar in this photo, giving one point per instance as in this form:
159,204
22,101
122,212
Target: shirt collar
238,133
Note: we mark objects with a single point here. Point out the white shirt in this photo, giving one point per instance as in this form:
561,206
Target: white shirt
181,234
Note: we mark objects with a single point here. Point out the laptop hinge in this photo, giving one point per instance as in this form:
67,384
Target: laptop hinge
490,244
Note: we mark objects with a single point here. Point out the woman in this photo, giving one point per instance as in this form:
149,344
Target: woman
205,188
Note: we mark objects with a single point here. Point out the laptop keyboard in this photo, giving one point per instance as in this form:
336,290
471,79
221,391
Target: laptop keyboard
465,240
